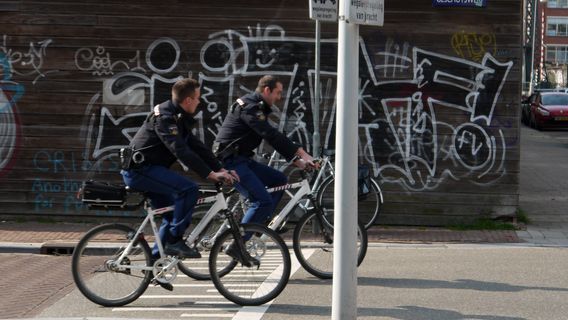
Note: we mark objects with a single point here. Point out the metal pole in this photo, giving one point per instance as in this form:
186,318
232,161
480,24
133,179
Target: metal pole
534,20
315,109
344,299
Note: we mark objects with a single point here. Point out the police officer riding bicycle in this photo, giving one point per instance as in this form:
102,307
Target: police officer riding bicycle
164,138
244,128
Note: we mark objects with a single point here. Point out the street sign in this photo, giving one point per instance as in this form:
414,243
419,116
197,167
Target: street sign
323,10
459,3
369,12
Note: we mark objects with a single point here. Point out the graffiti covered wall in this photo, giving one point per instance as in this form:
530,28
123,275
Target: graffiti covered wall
438,103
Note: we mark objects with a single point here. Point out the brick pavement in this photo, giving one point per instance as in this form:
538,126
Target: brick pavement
32,283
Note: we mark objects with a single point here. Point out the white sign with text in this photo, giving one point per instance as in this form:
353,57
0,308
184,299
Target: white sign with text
323,10
369,12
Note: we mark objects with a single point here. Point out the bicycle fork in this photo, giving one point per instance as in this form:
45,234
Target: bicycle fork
238,232
321,221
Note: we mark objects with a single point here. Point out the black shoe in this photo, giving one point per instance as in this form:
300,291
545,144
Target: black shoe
181,250
233,251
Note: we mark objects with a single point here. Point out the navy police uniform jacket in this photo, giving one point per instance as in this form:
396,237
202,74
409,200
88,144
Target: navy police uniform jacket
246,125
166,137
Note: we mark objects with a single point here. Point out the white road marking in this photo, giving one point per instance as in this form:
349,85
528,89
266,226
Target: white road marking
243,313
206,315
128,309
182,296
256,313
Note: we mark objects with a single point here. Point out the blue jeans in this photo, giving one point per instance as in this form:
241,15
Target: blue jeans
255,178
165,187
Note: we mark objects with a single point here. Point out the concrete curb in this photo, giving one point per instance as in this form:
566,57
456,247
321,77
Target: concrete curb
16,247
66,248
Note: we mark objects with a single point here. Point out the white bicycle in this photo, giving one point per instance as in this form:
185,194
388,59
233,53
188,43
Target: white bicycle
312,237
370,196
112,263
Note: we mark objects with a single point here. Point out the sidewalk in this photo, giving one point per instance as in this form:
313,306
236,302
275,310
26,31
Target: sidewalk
48,238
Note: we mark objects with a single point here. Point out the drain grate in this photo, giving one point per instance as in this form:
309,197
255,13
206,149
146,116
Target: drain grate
57,248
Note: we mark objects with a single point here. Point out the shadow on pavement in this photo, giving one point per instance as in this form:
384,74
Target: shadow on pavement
464,284
402,312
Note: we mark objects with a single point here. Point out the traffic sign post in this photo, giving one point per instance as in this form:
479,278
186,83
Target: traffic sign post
351,14
320,10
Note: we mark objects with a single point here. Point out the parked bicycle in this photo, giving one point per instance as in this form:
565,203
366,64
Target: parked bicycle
112,264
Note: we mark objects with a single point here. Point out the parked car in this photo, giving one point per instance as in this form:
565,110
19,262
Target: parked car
548,109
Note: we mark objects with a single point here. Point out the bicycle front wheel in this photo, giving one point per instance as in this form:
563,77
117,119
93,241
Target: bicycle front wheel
260,283
99,274
368,204
313,245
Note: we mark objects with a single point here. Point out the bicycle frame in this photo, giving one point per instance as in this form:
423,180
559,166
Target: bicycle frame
305,189
219,205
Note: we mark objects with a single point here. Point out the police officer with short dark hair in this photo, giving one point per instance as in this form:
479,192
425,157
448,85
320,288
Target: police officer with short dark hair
164,138
244,128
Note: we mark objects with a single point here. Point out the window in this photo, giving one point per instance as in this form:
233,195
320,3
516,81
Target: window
555,99
557,26
557,54
557,4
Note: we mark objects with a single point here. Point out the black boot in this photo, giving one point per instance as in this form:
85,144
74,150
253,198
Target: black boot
232,250
181,250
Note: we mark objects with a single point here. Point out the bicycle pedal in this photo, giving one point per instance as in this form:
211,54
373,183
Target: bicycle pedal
167,286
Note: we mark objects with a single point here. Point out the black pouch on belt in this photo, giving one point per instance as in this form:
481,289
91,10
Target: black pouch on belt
126,158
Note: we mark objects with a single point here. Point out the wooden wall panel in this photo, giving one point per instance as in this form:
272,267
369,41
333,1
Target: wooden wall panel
439,104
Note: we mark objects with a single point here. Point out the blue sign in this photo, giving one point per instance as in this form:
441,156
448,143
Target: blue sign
459,3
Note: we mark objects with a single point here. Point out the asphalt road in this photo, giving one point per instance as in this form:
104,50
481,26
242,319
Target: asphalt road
395,282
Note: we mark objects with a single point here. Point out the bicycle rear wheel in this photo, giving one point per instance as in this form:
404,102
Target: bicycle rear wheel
99,277
368,205
313,245
256,285
198,269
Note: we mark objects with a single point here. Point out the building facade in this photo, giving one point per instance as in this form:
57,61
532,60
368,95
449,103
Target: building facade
438,105
550,42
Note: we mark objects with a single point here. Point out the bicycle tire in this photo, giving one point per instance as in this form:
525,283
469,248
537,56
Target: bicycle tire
309,243
198,269
95,277
252,286
369,205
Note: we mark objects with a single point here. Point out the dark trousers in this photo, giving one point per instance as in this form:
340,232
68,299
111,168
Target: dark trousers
255,178
165,187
